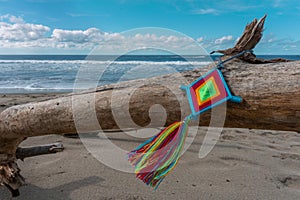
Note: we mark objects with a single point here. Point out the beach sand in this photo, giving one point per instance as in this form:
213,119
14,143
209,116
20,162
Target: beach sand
244,164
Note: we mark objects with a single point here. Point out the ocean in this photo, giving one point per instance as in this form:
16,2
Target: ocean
58,73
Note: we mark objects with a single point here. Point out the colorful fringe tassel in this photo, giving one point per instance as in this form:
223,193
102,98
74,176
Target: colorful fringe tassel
157,157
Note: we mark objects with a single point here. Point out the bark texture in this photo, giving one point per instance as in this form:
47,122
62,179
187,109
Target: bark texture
270,92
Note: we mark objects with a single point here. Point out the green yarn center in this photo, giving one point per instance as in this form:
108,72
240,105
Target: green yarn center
207,91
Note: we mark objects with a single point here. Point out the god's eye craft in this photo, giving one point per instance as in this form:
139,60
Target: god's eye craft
157,157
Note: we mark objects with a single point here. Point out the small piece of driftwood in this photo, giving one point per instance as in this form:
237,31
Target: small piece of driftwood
9,171
25,152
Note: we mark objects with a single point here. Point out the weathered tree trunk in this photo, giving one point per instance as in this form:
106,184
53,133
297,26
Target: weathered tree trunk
270,91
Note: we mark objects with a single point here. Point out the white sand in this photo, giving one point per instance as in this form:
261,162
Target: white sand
245,164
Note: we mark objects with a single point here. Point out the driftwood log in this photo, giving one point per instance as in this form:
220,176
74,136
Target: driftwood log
270,92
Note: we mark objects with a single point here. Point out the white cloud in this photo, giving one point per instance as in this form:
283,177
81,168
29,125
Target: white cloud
12,18
78,36
207,11
17,20
277,3
200,39
224,39
17,30
221,7
269,38
18,36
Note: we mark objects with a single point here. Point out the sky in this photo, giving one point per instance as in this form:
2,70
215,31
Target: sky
79,26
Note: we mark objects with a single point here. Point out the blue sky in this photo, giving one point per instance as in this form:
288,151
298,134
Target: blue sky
77,26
